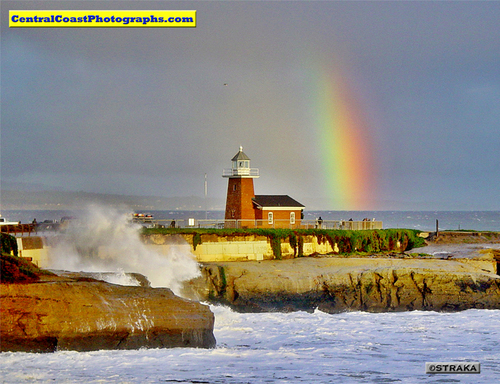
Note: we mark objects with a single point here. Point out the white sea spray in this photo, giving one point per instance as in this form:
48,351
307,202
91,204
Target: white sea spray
104,239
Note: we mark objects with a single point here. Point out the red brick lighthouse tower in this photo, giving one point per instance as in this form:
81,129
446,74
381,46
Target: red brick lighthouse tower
240,212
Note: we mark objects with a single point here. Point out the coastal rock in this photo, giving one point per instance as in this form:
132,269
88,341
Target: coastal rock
347,284
67,314
130,278
464,237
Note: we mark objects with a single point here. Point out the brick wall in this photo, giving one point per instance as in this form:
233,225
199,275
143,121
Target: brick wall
239,200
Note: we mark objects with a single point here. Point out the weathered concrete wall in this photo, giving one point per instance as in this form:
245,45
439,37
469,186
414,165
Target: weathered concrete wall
32,248
218,248
239,248
211,248
312,246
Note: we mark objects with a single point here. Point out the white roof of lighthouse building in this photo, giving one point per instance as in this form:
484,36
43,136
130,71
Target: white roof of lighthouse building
240,156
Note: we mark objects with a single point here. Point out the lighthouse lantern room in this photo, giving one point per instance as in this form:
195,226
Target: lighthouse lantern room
241,167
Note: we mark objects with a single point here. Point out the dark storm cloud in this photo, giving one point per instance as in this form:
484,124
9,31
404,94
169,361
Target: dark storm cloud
146,110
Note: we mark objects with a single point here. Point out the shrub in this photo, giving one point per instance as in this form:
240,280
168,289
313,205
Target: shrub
17,270
9,244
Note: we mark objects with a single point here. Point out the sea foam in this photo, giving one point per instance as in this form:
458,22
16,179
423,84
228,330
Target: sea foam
104,239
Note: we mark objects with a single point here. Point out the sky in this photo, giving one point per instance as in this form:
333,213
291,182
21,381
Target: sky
343,105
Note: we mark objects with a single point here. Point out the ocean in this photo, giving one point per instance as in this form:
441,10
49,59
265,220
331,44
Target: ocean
297,347
421,220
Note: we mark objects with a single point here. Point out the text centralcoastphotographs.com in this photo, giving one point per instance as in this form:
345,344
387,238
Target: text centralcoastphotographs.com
102,18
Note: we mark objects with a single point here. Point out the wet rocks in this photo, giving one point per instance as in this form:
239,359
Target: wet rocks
71,314
344,284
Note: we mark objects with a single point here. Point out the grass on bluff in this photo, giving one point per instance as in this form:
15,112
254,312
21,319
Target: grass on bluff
348,242
16,269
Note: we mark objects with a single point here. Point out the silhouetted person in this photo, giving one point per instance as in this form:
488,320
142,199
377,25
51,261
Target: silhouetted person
320,222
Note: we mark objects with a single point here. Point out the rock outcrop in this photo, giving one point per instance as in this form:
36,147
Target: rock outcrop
344,284
60,313
464,237
130,278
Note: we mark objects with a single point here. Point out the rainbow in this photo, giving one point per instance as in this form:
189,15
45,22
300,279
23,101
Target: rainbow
344,138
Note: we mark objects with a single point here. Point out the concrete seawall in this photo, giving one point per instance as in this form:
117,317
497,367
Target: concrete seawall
213,247
34,249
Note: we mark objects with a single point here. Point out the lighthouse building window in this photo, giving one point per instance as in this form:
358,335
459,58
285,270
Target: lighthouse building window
270,218
292,217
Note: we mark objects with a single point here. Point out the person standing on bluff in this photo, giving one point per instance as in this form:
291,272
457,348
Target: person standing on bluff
319,222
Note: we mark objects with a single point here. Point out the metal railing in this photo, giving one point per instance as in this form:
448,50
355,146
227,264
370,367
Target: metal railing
342,224
28,229
277,223
253,172
19,229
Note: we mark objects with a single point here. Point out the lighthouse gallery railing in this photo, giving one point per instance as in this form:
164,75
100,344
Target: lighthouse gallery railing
253,172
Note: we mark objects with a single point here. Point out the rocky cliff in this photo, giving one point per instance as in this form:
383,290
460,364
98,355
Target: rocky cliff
85,314
343,284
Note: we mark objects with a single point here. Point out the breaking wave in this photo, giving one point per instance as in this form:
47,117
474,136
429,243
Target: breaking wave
104,239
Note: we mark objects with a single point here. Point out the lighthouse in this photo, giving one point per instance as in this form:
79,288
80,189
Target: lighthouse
244,209
240,211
